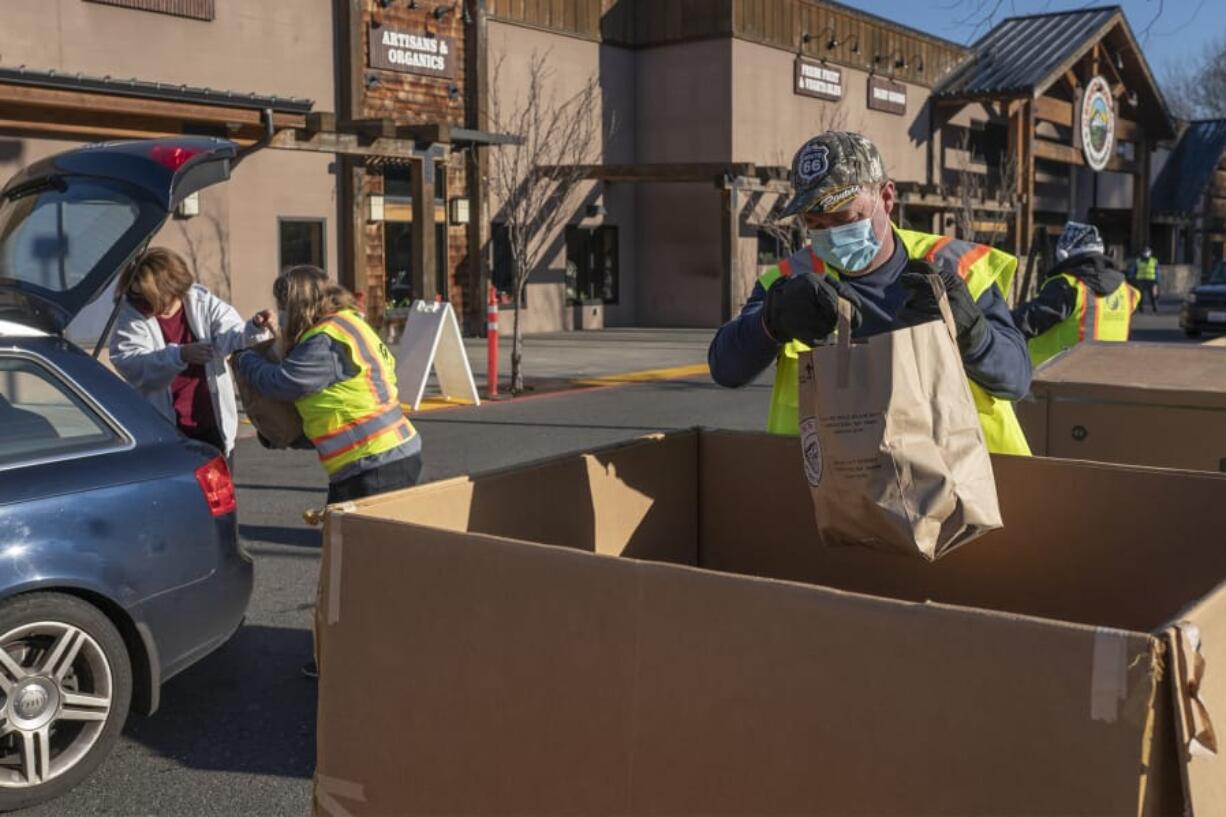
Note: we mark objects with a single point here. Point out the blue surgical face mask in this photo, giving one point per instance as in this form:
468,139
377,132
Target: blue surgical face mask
848,247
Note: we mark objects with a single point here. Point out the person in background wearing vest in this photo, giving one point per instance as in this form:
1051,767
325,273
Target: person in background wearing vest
854,252
342,379
1084,297
1144,273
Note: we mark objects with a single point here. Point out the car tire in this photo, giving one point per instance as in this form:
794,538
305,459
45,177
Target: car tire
66,684
1192,333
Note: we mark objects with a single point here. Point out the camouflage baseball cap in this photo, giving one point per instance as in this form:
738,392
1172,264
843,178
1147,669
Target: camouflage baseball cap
830,170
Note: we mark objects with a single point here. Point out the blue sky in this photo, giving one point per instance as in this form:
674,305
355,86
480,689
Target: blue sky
1169,29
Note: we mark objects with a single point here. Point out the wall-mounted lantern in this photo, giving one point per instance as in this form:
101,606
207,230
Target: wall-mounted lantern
374,208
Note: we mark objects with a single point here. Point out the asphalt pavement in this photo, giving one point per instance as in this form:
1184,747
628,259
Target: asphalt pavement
236,733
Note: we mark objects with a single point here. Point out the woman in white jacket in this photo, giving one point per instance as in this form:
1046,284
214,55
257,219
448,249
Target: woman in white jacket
171,341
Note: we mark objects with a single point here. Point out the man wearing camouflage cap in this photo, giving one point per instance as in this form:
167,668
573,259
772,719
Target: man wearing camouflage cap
854,252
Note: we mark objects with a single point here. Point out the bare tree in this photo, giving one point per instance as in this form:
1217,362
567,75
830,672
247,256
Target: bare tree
196,246
1196,87
974,189
534,182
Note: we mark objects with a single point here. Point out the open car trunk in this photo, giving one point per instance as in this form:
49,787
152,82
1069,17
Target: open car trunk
71,223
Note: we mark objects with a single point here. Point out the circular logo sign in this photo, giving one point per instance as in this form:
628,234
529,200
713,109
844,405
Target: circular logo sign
811,445
1098,123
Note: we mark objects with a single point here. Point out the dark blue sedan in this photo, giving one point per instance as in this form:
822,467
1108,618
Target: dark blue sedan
119,558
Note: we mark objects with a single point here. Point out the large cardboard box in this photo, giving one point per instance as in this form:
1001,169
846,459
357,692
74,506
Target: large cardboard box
1161,404
650,629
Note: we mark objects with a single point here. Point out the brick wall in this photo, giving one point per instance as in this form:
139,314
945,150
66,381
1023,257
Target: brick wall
412,99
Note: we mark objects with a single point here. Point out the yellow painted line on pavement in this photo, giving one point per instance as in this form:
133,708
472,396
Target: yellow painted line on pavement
434,404
672,373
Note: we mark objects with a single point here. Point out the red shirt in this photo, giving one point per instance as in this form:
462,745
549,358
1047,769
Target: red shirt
189,391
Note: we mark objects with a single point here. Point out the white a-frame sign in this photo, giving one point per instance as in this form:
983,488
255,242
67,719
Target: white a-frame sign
432,339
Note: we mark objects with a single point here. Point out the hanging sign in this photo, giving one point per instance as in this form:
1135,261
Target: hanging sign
1097,125
411,52
432,342
887,95
816,79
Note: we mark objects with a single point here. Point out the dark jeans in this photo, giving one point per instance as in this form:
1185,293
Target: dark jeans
1149,289
401,473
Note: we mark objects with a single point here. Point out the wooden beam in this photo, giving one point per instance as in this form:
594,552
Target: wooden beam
1058,152
318,121
345,144
433,133
1140,199
730,223
1069,155
424,266
1070,78
1056,111
712,172
370,128
111,104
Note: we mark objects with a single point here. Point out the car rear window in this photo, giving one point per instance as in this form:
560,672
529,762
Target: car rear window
42,418
53,236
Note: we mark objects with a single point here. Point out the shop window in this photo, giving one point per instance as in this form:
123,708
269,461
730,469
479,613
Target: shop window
592,264
195,9
302,242
398,182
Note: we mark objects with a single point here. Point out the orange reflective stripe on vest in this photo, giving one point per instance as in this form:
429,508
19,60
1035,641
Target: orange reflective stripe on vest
345,439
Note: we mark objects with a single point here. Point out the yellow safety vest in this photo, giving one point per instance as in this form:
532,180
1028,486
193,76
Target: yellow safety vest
1147,269
359,417
980,266
1097,317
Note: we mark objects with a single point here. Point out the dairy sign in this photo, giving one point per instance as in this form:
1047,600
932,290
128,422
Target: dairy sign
818,80
1097,126
411,52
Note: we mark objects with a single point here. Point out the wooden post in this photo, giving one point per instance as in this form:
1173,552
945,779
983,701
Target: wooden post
1021,147
1140,197
729,235
423,228
477,80
350,174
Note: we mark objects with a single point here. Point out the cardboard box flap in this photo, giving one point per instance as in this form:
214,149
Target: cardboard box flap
632,499
1197,644
464,674
1175,374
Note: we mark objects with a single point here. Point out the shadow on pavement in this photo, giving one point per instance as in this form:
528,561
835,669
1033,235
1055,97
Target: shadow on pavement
247,708
281,535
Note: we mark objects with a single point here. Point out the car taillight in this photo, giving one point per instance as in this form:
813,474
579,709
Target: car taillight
173,157
218,488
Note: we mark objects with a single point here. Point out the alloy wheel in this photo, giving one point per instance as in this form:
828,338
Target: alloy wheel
55,697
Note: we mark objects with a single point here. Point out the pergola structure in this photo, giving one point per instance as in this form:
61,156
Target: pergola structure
734,180
1033,74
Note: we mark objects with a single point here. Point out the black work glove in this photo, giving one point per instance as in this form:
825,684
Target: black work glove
806,308
922,305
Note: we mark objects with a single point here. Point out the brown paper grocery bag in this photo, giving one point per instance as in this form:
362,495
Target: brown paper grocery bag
277,421
893,449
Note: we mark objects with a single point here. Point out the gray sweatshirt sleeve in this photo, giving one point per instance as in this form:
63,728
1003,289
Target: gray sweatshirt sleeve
311,366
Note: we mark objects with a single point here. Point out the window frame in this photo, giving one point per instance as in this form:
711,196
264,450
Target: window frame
122,440
323,239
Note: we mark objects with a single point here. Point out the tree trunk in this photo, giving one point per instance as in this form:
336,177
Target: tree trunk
517,348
